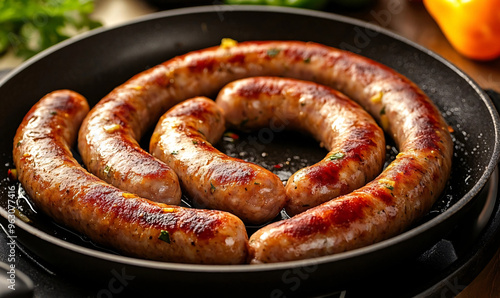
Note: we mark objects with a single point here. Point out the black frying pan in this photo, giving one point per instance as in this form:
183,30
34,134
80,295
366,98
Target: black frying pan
95,63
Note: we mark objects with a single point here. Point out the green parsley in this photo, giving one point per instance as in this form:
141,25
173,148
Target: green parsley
164,236
212,188
336,156
107,170
273,52
30,26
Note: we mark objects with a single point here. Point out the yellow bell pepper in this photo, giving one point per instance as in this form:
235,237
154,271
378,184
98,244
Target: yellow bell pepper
471,26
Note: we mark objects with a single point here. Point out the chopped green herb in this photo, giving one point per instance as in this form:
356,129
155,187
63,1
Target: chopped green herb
244,122
107,170
382,112
307,60
256,183
18,144
212,188
195,142
53,113
164,236
390,187
336,155
273,52
29,27
175,152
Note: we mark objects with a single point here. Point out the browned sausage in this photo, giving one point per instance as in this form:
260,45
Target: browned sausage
212,179
378,211
138,227
402,193
108,146
355,141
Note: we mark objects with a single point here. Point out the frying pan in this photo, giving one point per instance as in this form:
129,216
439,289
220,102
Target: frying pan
94,63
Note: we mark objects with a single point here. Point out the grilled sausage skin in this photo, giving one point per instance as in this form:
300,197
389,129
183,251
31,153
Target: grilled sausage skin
355,142
183,140
138,227
381,209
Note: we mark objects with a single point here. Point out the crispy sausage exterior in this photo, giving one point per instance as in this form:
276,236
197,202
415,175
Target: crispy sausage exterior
135,226
183,138
388,205
355,141
375,212
108,144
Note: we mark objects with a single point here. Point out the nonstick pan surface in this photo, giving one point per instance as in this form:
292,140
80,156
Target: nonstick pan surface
94,63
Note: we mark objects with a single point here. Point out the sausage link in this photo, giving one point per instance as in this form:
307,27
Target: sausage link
355,141
404,112
135,226
385,207
109,149
182,139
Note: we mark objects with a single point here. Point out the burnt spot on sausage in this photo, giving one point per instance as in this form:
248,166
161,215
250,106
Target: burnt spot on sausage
340,214
305,226
325,173
407,167
360,140
381,193
202,224
149,168
123,110
258,86
345,211
64,103
229,172
198,110
237,59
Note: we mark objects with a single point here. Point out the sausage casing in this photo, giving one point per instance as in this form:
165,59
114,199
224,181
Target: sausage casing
64,190
384,207
355,142
183,138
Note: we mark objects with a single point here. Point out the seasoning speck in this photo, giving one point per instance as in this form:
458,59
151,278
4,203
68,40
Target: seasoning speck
164,236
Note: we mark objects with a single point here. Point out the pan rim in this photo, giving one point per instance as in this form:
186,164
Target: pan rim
246,268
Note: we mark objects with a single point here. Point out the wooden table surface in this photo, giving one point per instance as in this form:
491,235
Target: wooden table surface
406,18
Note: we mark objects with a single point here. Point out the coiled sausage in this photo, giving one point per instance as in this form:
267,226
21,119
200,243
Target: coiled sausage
355,142
384,207
183,138
135,226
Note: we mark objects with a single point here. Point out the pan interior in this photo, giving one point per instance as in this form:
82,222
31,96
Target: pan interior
94,64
